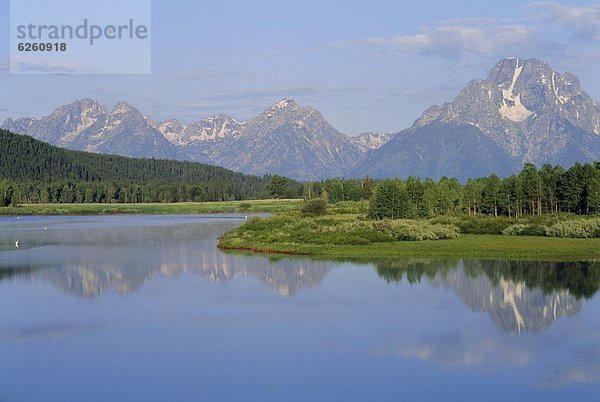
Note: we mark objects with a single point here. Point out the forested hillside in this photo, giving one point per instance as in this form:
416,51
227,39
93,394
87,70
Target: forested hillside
32,171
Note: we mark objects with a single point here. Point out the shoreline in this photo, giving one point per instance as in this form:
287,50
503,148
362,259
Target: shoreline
486,246
471,246
345,232
176,208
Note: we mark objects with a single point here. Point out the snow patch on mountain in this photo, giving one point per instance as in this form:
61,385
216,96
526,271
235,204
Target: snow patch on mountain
561,99
282,103
511,107
370,141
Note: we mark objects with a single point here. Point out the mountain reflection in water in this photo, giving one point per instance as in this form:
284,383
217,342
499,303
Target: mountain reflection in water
88,257
517,295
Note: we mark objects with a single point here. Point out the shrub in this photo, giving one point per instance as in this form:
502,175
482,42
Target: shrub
288,228
445,231
412,230
481,224
579,228
525,229
518,229
314,207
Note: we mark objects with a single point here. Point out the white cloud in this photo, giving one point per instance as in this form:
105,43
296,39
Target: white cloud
527,34
454,41
584,22
458,350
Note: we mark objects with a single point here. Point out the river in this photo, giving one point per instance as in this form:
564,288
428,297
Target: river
127,308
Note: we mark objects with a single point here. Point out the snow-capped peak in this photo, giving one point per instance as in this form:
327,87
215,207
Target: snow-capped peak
283,103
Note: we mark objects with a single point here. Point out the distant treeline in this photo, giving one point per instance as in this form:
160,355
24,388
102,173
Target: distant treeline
551,189
32,171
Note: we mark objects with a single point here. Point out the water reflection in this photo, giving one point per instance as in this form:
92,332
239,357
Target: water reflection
285,277
432,329
517,295
87,257
93,255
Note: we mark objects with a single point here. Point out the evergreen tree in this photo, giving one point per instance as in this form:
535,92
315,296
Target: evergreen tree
390,201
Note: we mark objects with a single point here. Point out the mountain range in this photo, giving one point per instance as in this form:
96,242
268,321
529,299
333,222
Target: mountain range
524,111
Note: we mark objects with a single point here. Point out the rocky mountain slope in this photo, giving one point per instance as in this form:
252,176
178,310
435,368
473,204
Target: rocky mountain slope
285,139
209,129
524,112
88,126
291,140
436,150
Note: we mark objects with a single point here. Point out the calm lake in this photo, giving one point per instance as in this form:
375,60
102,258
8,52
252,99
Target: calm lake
146,308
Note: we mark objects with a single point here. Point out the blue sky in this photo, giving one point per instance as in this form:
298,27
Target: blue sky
366,65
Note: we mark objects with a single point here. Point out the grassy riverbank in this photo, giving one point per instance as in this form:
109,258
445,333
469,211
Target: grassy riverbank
465,246
345,232
267,206
351,235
